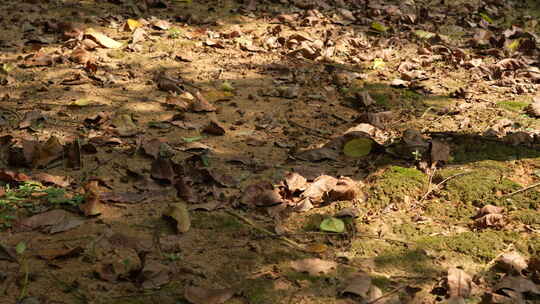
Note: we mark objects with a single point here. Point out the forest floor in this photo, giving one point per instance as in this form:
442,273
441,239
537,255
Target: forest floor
269,151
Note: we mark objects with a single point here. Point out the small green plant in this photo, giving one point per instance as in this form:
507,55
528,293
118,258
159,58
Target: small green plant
172,256
417,155
174,33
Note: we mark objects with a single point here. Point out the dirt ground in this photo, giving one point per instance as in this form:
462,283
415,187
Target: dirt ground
290,151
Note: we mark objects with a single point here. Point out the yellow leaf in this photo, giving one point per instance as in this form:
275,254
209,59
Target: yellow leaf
132,24
379,27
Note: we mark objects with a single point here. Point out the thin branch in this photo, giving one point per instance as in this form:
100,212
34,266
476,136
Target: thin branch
522,190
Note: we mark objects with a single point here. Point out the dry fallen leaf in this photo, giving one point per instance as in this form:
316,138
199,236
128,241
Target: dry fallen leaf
180,214
102,39
459,283
199,295
512,262
313,266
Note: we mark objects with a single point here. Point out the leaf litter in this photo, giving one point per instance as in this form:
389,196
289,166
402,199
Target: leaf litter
344,126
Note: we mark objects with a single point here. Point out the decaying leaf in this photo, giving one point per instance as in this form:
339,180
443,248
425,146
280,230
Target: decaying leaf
314,266
53,221
200,295
512,262
180,214
459,283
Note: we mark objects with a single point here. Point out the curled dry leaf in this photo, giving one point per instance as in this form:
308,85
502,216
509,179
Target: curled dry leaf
313,266
179,213
92,204
320,187
199,295
358,285
53,221
533,109
488,209
490,221
512,262
459,283
214,128
295,182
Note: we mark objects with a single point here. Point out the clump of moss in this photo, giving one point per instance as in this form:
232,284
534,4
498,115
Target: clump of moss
396,183
514,105
472,149
415,260
453,211
260,291
480,245
527,217
480,186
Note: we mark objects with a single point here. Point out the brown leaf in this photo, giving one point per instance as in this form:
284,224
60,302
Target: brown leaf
488,209
185,190
534,108
313,266
199,295
45,178
31,119
344,190
358,285
125,126
41,154
295,182
440,151
53,221
81,56
490,221
319,189
92,205
200,104
261,194
162,169
512,262
73,152
59,253
214,128
153,146
459,283
9,176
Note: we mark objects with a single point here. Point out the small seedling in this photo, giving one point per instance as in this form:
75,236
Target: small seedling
417,155
174,33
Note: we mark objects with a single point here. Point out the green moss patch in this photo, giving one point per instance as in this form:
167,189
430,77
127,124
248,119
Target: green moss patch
514,106
471,149
415,260
479,245
396,183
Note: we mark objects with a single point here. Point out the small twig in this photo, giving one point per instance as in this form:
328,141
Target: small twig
440,184
285,240
522,190
429,188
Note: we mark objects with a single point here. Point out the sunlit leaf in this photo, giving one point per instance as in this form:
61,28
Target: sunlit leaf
192,139
20,248
486,18
423,34
332,224
378,63
379,27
